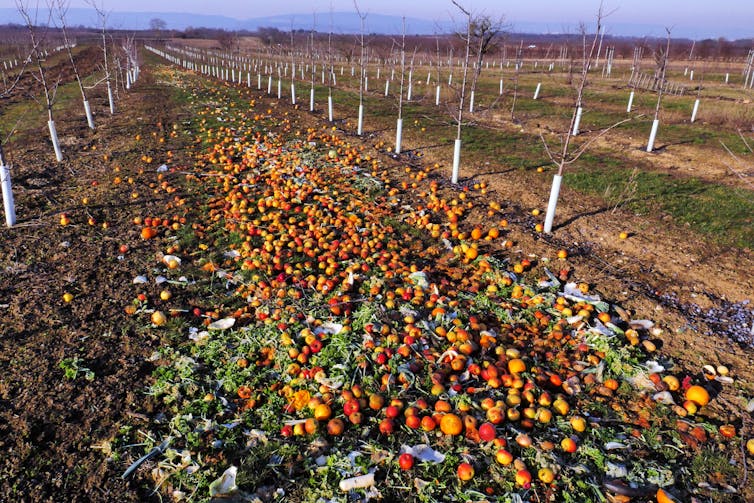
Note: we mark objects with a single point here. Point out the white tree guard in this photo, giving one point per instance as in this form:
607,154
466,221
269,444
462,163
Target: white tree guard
8,203
89,116
696,109
552,203
577,122
55,141
456,161
653,135
398,135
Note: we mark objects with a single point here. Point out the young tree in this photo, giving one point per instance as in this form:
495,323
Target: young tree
516,73
399,123
60,7
462,94
661,56
362,18
483,32
40,75
105,58
311,61
5,178
331,70
567,155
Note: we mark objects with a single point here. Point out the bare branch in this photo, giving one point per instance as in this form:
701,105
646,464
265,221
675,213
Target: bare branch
602,133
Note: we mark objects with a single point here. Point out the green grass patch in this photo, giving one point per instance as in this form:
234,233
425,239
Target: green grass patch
722,213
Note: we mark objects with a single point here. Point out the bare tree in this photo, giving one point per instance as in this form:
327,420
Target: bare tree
40,75
311,61
60,7
661,57
567,155
399,123
362,18
484,30
105,58
5,179
331,70
462,94
516,73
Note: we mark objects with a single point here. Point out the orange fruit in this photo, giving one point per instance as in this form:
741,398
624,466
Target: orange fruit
664,497
322,412
335,426
465,471
148,233
451,424
523,478
516,366
159,318
698,395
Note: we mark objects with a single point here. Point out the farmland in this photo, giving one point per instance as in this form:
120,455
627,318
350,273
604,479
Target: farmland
261,293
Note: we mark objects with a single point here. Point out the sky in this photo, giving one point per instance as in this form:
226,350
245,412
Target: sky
731,18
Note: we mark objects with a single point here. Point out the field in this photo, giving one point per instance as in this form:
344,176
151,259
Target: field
239,287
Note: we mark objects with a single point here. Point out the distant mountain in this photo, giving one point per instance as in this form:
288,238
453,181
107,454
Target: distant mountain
342,22
349,22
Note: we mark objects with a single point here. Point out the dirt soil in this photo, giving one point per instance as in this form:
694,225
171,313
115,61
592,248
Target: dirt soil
55,432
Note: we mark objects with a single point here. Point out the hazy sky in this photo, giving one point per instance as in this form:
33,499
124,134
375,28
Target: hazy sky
704,16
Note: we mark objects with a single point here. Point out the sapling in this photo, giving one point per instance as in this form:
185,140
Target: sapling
60,7
567,155
462,95
362,19
662,61
399,123
40,75
105,58
5,178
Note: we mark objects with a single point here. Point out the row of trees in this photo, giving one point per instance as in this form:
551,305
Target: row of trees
481,40
39,78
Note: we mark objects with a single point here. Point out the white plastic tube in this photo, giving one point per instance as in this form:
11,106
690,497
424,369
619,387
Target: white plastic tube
55,142
630,102
361,120
89,117
8,204
437,95
110,99
293,93
536,91
653,135
696,109
259,81
471,103
501,87
398,135
410,90
552,203
269,85
329,108
280,89
577,122
387,87
311,99
456,161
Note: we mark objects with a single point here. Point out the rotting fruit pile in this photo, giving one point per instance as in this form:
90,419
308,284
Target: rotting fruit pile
355,341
